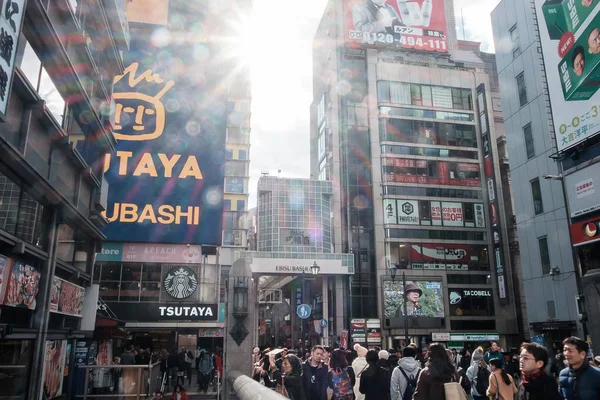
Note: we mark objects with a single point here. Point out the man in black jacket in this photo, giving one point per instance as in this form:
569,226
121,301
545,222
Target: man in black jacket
535,383
314,371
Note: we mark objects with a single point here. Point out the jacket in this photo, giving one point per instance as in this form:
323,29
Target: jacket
359,366
374,383
543,388
430,388
497,385
472,376
580,384
127,358
398,383
316,388
206,366
184,396
490,355
294,385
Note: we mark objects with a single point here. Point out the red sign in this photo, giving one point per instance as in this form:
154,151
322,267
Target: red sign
489,168
585,232
468,167
440,252
396,24
493,214
401,178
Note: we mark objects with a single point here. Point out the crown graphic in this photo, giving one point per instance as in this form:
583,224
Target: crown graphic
147,76
181,271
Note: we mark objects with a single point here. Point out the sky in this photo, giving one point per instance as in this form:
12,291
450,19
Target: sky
281,58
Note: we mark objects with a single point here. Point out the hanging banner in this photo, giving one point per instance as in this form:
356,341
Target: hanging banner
479,216
452,214
54,367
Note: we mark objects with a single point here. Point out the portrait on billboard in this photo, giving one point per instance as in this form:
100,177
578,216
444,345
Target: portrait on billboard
570,38
423,298
416,24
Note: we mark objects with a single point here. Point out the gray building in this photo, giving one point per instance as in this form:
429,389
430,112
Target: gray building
549,274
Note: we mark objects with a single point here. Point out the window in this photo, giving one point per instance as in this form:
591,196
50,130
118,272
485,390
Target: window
242,155
536,193
321,145
522,89
227,205
228,154
514,39
241,205
528,141
544,255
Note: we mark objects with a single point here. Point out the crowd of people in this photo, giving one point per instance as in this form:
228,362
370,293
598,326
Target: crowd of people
531,373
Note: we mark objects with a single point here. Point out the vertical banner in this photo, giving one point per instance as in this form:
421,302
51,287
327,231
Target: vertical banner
11,22
492,195
390,214
436,213
54,367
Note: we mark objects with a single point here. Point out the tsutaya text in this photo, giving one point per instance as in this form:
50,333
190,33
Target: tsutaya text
186,311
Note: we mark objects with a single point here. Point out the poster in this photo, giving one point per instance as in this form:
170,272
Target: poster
5,264
433,256
436,213
66,298
452,214
396,24
23,286
424,298
569,34
54,367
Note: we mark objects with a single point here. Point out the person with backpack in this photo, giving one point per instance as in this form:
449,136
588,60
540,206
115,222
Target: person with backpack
405,376
462,374
437,372
374,381
340,377
479,375
501,385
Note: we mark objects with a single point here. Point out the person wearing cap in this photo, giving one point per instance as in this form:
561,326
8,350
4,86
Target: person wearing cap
413,293
359,365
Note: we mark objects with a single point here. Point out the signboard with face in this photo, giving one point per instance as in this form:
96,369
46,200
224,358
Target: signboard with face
424,298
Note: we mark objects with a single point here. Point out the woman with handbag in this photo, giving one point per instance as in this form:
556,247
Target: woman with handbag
289,383
502,386
438,372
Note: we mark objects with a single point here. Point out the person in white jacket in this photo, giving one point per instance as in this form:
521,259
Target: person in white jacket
477,362
411,368
358,366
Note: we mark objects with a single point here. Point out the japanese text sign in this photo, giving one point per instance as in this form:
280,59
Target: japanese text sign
11,20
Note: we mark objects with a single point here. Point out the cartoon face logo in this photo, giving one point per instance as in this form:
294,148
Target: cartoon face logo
191,255
181,282
139,116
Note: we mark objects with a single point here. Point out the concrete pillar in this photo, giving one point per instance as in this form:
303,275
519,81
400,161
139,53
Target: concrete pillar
239,356
340,316
325,297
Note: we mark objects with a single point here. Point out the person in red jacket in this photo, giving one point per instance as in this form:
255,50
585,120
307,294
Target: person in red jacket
219,366
179,393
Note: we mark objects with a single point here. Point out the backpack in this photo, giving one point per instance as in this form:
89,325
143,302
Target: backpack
411,384
342,386
483,380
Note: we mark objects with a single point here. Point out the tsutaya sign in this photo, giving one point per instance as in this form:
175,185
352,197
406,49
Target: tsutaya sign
293,266
203,312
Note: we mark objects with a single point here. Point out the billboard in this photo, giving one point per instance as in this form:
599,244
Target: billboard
66,298
396,24
571,46
22,287
424,298
166,177
580,189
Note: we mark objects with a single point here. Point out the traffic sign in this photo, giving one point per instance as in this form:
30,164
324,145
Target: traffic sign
323,323
303,311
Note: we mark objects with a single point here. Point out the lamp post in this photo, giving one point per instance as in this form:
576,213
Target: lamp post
314,269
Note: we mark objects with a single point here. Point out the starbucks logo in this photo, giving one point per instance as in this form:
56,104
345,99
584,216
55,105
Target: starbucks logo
181,282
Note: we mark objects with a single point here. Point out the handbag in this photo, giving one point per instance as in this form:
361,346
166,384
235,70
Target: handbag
454,391
280,388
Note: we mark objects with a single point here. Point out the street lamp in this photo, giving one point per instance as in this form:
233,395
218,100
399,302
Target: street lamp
315,268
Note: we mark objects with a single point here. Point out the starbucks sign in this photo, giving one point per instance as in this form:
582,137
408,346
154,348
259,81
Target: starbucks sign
181,282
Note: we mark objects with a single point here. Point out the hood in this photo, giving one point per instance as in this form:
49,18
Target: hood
409,365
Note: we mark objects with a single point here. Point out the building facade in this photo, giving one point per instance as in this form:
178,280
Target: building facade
550,274
405,124
56,73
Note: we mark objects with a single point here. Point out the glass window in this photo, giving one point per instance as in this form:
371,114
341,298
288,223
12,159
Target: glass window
415,95
514,39
469,214
522,89
15,364
234,185
228,154
536,193
529,147
31,65
544,255
226,205
241,205
242,155
442,96
111,272
131,272
426,95
383,91
10,194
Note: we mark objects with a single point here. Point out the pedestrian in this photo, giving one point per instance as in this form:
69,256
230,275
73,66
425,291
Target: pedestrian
479,375
179,393
462,374
438,371
374,381
218,367
189,361
158,396
127,357
501,385
181,366
205,372
359,364
494,352
314,372
394,358
288,382
340,377
465,359
405,376
172,367
198,356
580,380
536,383
384,362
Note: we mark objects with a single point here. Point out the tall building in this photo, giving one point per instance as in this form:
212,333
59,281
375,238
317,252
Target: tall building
57,63
543,165
403,122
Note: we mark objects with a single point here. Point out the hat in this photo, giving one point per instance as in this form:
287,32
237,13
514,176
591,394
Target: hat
412,287
383,354
362,351
392,351
477,356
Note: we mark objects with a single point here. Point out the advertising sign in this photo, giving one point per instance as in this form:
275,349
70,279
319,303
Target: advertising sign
585,232
580,188
479,216
5,264
433,256
66,298
157,312
440,336
390,214
424,298
298,237
571,49
452,214
11,20
23,286
150,253
436,213
358,330
166,177
274,266
408,212
54,367
396,24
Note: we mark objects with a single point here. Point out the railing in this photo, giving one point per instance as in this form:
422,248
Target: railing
135,381
246,388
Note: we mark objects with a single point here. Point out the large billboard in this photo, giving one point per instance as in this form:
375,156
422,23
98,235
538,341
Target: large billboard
424,298
570,36
166,177
396,24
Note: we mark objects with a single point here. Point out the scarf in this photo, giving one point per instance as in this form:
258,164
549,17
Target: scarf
527,379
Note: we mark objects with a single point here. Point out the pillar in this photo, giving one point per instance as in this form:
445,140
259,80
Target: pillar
325,296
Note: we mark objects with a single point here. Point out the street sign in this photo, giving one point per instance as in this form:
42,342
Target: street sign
323,323
303,311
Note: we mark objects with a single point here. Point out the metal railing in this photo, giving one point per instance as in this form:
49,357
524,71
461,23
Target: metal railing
133,381
247,388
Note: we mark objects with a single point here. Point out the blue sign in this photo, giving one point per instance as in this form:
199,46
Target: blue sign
166,177
303,311
323,323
